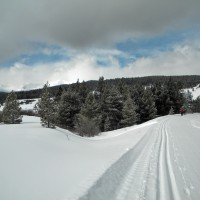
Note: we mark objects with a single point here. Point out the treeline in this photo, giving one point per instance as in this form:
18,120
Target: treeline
104,108
108,106
183,81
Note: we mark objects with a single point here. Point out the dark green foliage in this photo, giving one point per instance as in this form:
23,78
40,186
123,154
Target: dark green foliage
69,107
188,102
101,86
111,104
129,115
182,81
1,117
87,122
147,106
11,111
83,92
166,96
111,107
86,126
196,105
107,124
46,108
2,97
59,94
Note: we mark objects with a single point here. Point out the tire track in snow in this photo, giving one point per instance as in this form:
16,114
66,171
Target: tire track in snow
144,172
108,186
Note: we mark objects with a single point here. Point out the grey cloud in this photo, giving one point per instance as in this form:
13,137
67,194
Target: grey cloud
85,23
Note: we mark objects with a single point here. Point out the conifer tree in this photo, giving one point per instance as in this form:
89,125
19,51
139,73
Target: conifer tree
107,124
129,115
69,107
83,92
58,94
196,105
101,86
111,107
87,122
11,111
46,108
147,106
1,116
85,126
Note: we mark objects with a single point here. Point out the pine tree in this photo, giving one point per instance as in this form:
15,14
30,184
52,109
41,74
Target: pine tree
111,107
101,86
46,108
128,113
69,107
107,124
58,94
87,122
147,106
196,105
86,126
83,92
11,111
136,94
1,116
188,98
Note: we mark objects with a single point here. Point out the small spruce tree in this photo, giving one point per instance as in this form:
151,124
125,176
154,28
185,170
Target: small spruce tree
69,107
46,108
87,122
129,115
11,111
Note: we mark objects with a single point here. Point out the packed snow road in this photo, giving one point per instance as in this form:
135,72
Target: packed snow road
163,165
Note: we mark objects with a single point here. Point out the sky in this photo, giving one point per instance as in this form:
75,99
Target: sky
60,41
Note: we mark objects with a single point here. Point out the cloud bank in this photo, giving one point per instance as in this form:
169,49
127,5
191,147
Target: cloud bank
86,23
183,60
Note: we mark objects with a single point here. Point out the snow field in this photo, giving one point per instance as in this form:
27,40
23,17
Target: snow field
157,160
153,172
195,91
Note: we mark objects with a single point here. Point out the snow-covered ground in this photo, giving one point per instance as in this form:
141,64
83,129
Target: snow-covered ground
28,106
195,91
24,105
158,160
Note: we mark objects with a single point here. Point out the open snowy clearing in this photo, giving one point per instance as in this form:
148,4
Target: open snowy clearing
195,91
156,160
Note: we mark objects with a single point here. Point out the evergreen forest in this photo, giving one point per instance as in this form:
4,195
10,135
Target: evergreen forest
88,108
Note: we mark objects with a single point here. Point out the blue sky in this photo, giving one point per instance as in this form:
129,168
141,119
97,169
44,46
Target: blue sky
130,50
89,38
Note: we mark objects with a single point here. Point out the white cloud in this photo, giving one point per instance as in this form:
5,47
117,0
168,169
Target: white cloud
183,60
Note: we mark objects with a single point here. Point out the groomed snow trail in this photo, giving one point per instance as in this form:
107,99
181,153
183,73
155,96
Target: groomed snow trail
158,167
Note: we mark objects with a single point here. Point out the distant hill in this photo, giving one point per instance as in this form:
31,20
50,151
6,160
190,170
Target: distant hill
184,81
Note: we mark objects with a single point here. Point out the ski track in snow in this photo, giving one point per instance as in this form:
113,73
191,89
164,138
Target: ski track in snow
146,172
155,161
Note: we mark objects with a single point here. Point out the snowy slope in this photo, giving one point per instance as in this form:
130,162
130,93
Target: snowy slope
24,105
156,160
195,91
28,106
